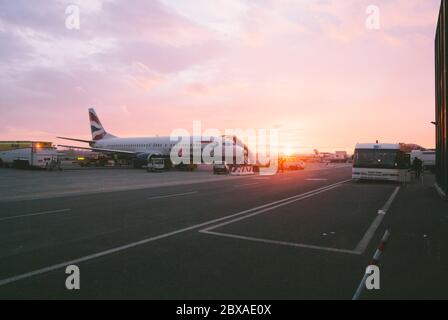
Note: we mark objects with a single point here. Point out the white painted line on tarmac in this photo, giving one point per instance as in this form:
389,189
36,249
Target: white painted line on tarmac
247,185
275,206
364,243
34,214
151,239
81,191
172,195
284,243
316,179
390,200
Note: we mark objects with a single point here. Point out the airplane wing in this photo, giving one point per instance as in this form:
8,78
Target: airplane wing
101,149
79,140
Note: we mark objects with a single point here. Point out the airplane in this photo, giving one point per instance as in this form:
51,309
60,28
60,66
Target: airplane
142,149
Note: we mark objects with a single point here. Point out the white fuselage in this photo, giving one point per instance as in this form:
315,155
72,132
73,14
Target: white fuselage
154,145
162,146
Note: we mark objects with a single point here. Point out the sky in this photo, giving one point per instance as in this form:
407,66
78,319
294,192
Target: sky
310,68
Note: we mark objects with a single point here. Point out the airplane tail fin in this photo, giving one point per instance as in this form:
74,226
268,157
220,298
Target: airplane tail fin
98,131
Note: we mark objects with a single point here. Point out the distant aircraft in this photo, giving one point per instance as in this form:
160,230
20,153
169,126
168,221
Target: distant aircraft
142,149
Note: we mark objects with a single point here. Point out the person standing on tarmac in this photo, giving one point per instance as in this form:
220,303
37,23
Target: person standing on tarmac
281,165
417,166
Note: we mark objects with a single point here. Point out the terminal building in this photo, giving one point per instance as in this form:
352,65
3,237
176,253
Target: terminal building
441,45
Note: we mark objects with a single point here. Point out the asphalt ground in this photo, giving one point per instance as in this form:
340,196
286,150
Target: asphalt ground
298,235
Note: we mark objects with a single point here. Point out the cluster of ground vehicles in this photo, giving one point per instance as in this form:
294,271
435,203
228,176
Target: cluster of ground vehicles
29,154
284,164
371,161
291,164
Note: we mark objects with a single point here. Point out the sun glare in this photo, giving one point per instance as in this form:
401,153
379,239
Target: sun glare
288,151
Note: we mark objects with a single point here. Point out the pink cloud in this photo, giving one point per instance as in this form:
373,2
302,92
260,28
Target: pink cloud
306,66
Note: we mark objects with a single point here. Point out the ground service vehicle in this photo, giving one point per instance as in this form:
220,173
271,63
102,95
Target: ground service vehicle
156,165
381,161
28,154
292,163
220,167
339,157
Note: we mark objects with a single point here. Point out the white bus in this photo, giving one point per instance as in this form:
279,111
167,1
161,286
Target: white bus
381,161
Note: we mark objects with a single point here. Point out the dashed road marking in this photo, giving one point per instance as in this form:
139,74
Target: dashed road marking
173,195
34,214
247,185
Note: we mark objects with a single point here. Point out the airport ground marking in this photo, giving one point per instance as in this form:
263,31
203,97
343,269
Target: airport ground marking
365,241
277,242
173,195
82,192
277,204
286,243
34,214
122,248
247,185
